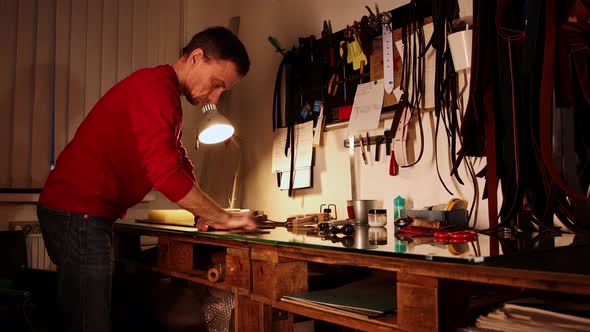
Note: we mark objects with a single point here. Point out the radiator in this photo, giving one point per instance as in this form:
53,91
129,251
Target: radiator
37,257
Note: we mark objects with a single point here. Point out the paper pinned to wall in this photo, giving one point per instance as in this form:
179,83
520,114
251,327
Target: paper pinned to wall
301,179
366,108
303,148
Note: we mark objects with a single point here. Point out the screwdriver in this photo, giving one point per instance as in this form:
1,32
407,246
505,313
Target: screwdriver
276,45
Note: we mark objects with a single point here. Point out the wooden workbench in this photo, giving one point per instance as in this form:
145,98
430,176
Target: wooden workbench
431,295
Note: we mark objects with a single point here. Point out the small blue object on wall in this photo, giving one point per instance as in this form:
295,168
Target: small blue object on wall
316,106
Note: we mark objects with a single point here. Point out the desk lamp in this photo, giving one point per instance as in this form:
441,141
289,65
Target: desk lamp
216,128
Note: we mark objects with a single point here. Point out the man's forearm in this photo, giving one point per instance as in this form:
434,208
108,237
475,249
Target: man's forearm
200,204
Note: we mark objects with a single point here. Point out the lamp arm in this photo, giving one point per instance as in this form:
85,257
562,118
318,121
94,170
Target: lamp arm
234,189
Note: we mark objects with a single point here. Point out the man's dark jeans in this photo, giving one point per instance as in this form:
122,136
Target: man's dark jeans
81,247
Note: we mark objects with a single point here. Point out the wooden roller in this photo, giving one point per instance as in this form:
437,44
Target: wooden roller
216,273
217,270
174,217
179,216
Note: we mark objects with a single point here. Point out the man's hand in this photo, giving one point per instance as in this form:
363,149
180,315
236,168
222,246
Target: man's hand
234,220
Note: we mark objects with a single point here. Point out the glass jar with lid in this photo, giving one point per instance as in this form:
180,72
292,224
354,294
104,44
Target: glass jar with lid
377,235
377,217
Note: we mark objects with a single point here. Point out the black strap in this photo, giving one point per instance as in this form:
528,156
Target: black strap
277,119
445,81
413,66
276,100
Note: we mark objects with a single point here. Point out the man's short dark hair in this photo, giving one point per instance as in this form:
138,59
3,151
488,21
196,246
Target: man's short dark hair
221,44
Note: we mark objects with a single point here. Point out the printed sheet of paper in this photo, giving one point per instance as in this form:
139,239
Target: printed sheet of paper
430,64
366,109
303,148
301,179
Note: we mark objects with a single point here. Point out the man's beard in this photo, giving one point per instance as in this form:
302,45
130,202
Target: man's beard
188,96
190,99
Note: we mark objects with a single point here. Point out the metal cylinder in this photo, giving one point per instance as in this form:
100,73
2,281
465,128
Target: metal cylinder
361,209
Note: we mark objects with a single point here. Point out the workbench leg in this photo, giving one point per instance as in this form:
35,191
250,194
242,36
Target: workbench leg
250,315
256,316
430,304
274,276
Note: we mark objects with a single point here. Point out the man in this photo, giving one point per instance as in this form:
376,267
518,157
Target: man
129,143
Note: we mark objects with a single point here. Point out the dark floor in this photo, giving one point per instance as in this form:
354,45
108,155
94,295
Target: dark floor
140,303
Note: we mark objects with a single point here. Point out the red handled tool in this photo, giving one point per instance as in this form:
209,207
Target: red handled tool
415,230
393,166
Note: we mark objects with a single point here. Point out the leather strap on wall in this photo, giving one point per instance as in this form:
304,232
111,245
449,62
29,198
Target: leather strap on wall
545,100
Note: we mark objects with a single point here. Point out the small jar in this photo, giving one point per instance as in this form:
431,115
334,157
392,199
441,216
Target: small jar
377,217
377,235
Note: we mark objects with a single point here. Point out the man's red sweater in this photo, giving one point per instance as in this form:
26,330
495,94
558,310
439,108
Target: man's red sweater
129,143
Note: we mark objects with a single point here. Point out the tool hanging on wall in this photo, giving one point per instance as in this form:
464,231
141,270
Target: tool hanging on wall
343,52
363,151
355,54
276,45
378,142
374,20
393,166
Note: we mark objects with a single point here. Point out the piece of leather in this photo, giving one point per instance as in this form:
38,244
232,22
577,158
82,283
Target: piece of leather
388,66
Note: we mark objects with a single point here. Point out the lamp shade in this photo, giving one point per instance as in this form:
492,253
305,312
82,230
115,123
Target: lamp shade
215,127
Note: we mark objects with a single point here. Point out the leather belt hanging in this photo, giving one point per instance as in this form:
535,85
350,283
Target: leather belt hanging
413,82
445,82
479,115
545,102
525,101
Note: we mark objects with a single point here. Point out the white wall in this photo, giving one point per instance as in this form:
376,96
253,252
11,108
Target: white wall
287,20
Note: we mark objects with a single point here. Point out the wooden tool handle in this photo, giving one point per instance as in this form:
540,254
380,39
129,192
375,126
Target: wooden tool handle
434,224
393,167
